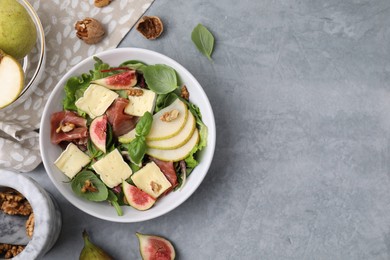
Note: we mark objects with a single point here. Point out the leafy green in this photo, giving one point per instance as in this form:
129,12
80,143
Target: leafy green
113,199
144,124
190,160
203,40
99,66
79,181
74,89
76,86
203,130
160,78
137,147
160,100
135,65
93,152
122,93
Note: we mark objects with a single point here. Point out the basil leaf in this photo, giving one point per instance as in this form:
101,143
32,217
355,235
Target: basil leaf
164,100
135,65
137,149
160,78
79,181
203,40
160,100
144,124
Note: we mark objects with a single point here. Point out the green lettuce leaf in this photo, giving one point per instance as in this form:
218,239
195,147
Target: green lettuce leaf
74,89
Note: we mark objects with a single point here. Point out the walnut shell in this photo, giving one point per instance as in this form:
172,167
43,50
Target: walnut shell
150,27
89,30
102,3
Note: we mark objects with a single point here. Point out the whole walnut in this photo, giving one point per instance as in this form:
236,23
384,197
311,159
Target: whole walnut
89,30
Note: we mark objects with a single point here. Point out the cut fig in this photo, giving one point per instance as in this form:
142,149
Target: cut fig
98,132
123,80
137,198
155,247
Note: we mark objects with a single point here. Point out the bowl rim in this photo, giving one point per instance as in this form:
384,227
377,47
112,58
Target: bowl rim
206,161
43,44
42,54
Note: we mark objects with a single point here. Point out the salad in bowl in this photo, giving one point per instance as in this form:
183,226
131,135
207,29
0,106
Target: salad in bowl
127,135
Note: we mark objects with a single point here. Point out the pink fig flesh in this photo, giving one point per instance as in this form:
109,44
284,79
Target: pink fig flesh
155,247
123,80
98,132
137,198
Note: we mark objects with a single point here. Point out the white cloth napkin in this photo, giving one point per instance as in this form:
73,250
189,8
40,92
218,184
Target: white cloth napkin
19,144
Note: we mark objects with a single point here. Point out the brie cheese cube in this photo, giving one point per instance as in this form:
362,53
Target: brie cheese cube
151,180
96,100
138,105
112,169
72,160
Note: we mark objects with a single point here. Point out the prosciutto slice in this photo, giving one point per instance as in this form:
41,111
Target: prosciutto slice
168,169
121,123
79,133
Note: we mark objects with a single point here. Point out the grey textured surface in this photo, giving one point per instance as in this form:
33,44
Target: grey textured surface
300,91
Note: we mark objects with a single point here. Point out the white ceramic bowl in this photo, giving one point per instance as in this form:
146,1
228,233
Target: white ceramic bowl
51,152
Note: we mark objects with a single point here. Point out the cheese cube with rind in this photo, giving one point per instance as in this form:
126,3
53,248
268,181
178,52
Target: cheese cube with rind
151,180
112,169
72,160
138,105
96,100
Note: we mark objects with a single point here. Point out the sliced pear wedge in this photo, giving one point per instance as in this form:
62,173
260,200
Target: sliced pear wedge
127,138
162,129
11,78
175,154
177,140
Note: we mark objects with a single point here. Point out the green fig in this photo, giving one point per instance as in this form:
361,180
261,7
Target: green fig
91,251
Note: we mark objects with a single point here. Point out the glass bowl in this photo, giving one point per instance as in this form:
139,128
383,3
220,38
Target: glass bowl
33,63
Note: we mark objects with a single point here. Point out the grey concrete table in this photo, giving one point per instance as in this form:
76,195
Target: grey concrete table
301,95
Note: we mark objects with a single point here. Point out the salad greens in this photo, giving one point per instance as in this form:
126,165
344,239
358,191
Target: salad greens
159,78
87,181
203,40
137,147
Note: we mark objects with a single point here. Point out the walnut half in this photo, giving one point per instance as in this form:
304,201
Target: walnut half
89,30
150,27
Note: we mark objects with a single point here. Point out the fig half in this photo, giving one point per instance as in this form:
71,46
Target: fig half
137,198
155,247
123,80
98,132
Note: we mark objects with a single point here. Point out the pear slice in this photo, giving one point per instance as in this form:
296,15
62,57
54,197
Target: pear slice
178,140
11,78
177,154
162,129
127,138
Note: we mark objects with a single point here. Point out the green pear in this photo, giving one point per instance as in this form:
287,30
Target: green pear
11,78
18,33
